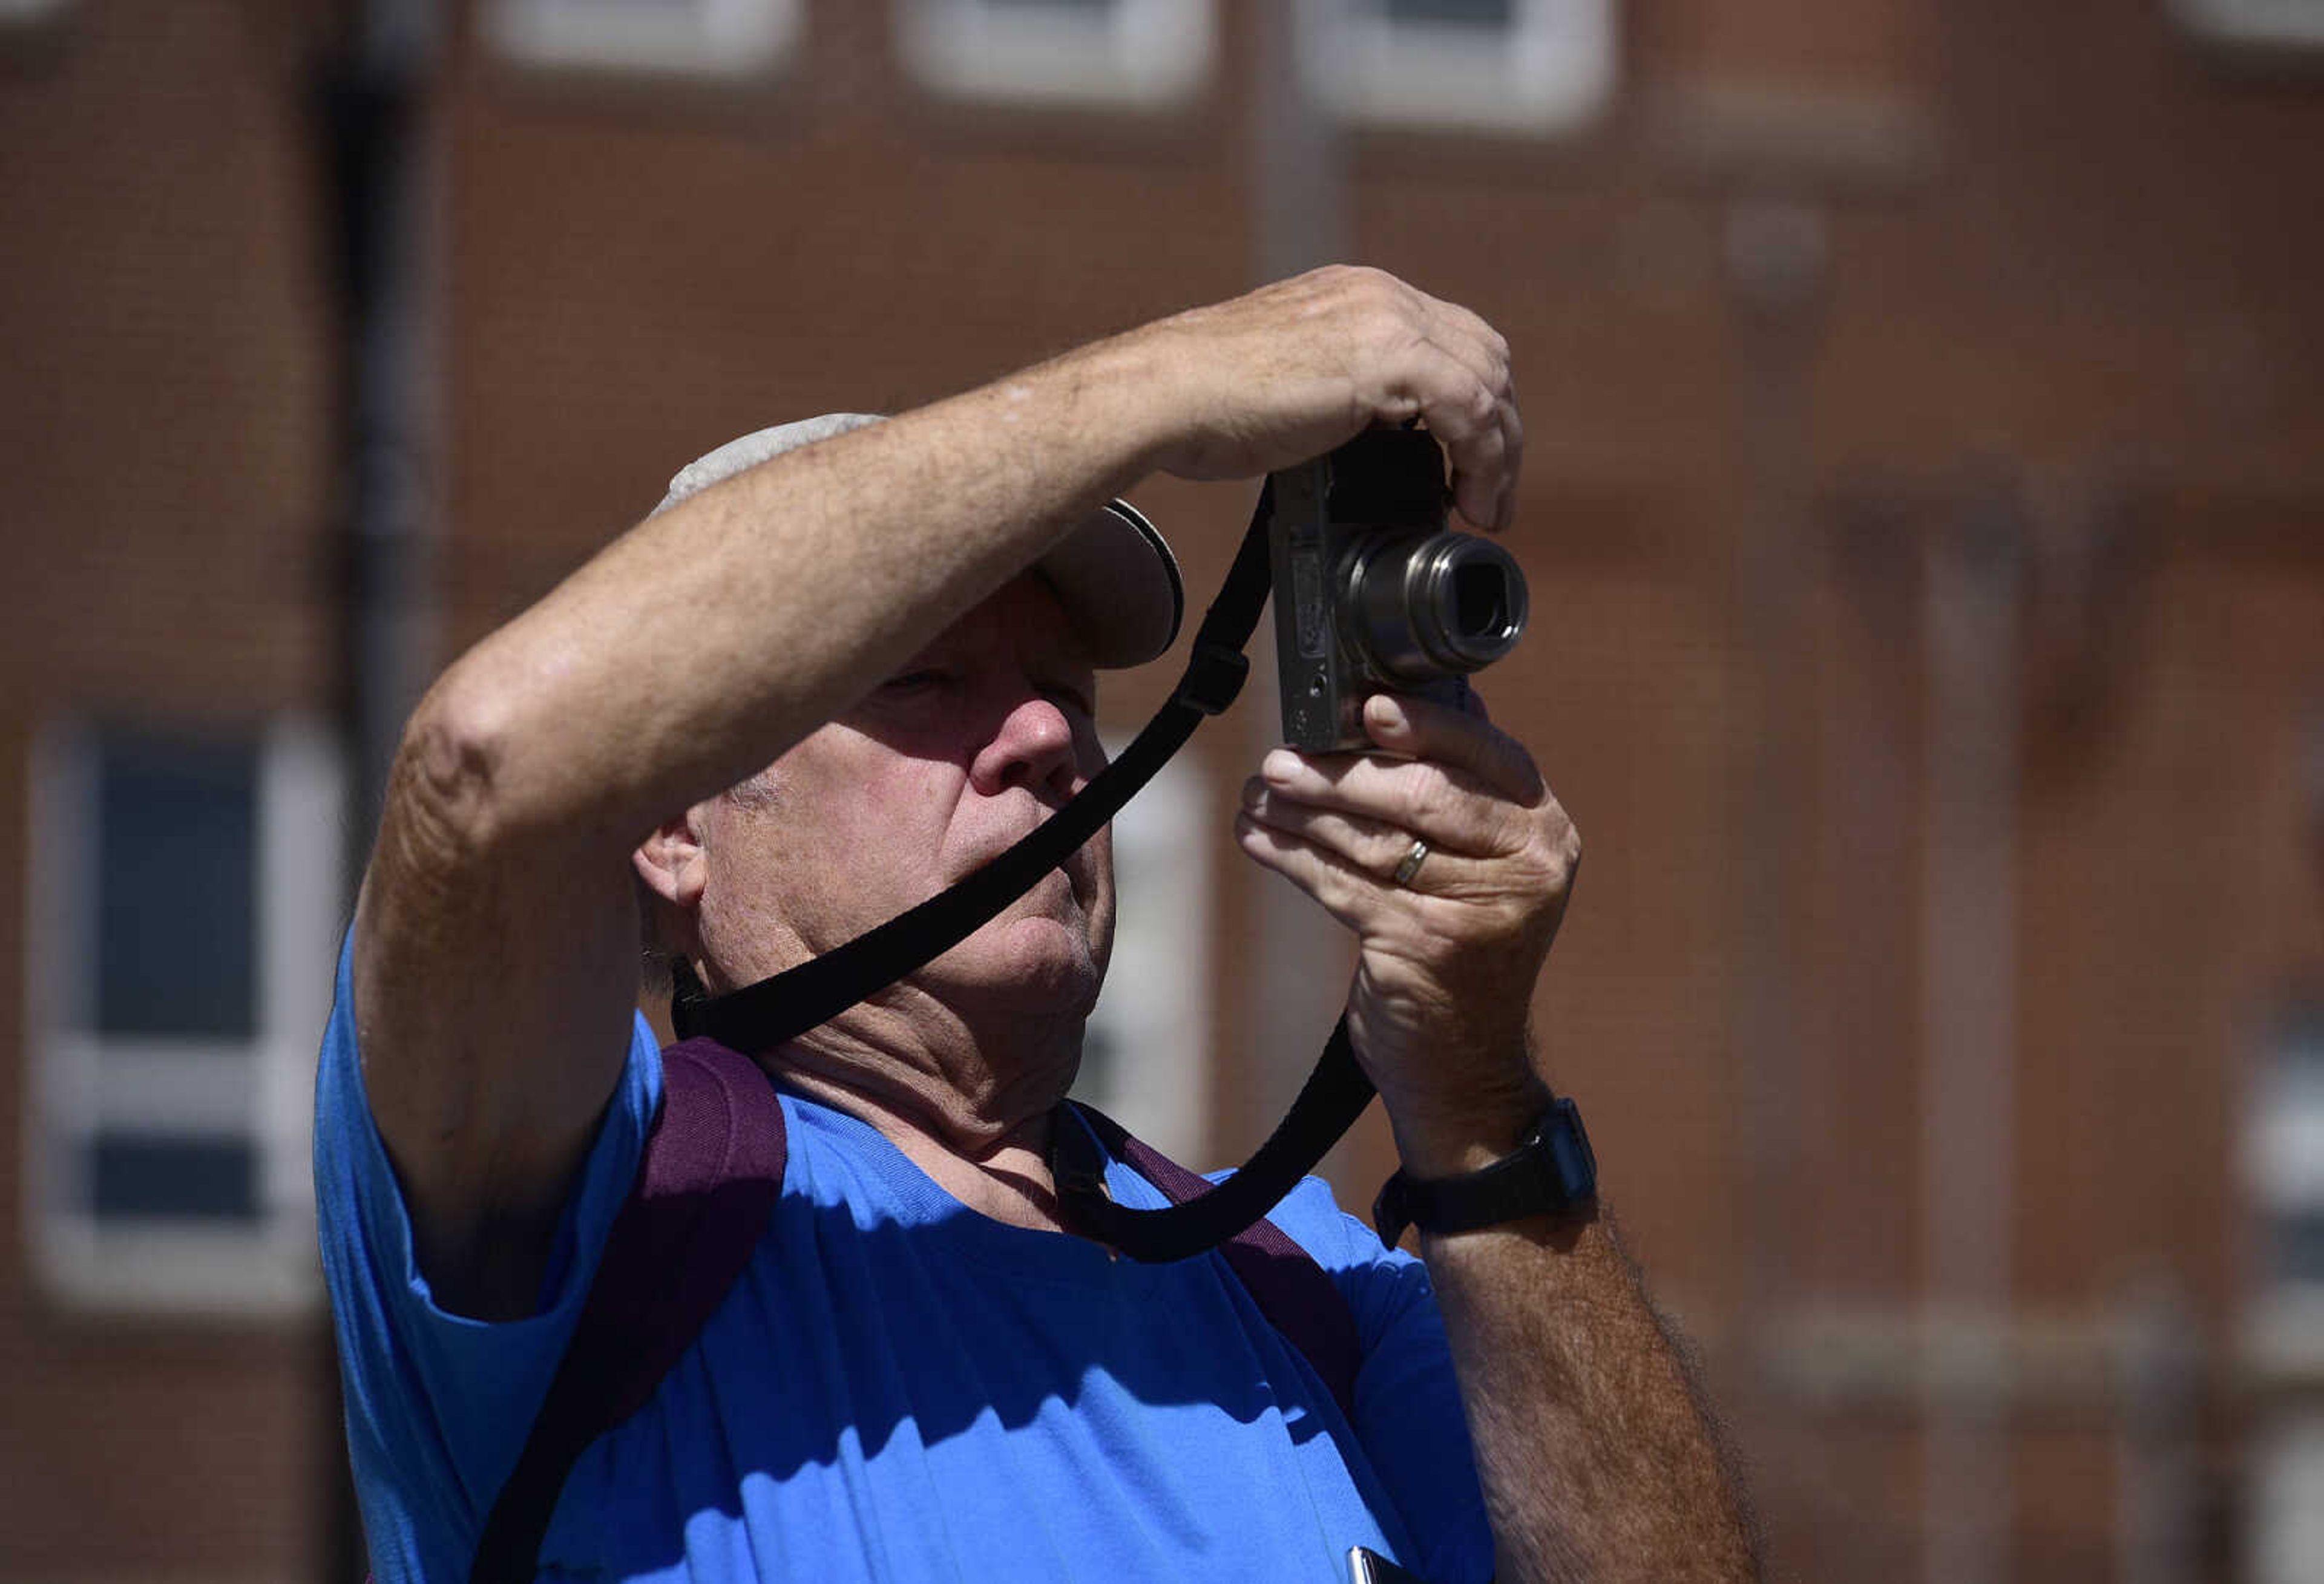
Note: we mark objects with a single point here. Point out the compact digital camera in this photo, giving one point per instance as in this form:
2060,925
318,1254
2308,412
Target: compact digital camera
1373,593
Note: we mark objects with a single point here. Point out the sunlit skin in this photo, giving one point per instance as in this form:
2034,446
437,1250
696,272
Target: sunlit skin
968,746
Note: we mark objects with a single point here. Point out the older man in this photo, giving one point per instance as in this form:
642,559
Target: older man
813,690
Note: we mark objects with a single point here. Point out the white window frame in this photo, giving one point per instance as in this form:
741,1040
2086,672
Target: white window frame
1553,70
1155,1011
2283,1175
84,1083
2263,24
1140,54
692,37
2285,1525
2282,1169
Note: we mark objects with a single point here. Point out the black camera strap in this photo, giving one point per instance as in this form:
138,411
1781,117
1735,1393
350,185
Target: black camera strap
759,1017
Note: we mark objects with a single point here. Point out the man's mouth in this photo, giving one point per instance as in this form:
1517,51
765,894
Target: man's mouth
1075,872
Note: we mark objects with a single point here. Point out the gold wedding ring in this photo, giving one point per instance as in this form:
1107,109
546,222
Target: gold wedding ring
1412,863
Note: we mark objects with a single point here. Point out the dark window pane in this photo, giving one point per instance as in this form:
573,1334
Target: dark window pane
2295,1247
1483,14
2298,1048
182,1179
175,883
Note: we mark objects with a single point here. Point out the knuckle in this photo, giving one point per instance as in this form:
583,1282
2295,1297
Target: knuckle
1425,799
1336,890
1386,321
1550,856
1565,858
1371,290
1535,869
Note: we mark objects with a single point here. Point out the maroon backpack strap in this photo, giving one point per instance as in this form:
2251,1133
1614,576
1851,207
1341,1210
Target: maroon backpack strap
1297,1295
711,1173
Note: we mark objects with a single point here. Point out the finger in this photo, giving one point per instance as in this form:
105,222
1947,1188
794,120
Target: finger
1357,898
1478,424
1483,349
1460,385
1454,388
1486,447
1483,482
1327,879
1445,806
1423,729
1373,847
1504,508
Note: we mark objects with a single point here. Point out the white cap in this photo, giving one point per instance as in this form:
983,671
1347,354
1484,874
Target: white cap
1114,574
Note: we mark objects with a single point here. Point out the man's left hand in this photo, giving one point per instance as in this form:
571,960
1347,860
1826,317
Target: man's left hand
1448,955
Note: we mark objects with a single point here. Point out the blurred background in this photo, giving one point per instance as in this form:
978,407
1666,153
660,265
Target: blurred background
1924,511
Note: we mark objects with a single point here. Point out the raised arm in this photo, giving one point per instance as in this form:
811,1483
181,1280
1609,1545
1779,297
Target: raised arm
495,939
1600,1460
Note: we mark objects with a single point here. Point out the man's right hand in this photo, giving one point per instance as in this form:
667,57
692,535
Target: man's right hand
1295,369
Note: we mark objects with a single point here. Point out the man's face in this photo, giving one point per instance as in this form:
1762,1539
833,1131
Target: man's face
966,748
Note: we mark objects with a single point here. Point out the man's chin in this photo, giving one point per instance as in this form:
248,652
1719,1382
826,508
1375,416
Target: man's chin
1036,964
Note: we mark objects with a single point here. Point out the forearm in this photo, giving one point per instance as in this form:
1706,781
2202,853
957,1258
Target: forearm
703,642
698,647
1599,1458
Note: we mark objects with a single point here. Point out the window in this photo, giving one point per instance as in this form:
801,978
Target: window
704,38
2283,1179
1514,66
185,909
2288,25
1106,53
1145,1055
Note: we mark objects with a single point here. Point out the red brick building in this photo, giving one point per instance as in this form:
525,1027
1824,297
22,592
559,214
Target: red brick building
1923,510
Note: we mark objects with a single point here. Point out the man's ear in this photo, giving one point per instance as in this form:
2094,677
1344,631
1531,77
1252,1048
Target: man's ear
673,863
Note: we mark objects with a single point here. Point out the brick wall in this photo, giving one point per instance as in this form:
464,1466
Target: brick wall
1824,280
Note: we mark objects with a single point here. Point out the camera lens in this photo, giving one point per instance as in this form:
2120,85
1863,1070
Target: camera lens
1419,608
1481,603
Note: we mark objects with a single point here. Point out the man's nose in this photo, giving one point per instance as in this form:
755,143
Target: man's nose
1033,747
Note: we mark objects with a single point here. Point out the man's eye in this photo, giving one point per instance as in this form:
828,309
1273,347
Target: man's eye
1074,694
1073,700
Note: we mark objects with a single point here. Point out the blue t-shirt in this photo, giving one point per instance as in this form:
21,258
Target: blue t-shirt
899,1388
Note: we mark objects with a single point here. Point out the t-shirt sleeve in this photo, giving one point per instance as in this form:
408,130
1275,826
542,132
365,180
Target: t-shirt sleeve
438,1406
1408,1401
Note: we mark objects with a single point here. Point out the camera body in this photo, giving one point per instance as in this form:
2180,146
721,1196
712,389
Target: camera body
1373,593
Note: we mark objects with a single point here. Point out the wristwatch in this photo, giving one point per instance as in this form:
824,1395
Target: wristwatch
1552,1169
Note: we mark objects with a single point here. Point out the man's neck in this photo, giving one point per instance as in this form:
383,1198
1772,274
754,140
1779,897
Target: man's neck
971,1106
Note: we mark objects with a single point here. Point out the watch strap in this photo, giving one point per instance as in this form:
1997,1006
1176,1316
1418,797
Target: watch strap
1552,1169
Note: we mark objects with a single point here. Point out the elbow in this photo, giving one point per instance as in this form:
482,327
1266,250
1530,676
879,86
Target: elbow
449,799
